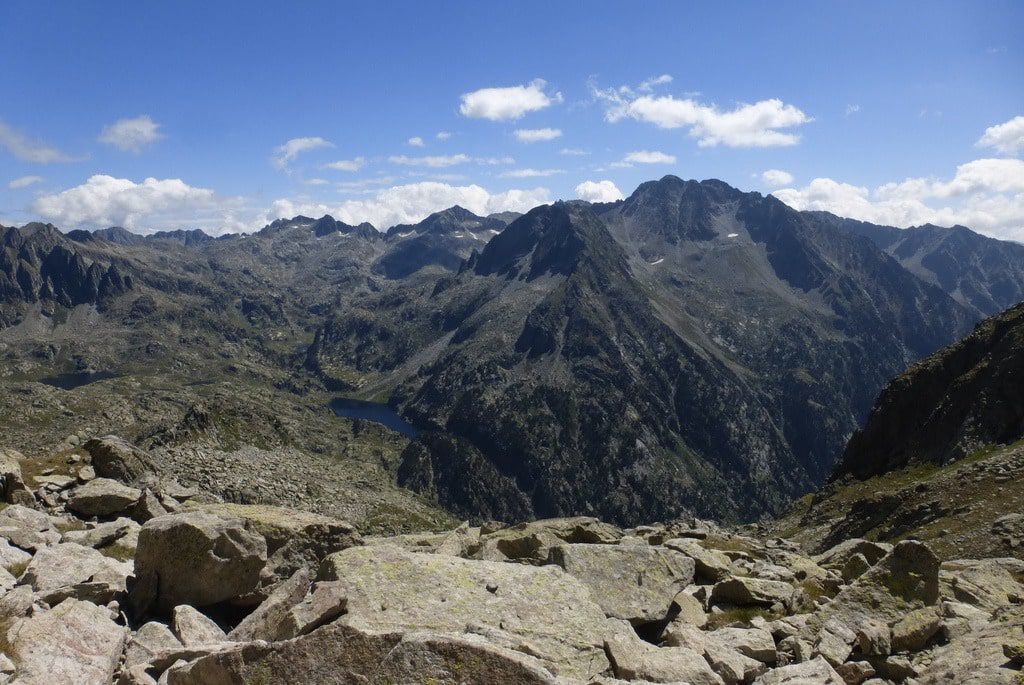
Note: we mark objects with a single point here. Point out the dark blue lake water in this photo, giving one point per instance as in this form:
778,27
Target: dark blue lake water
70,381
372,411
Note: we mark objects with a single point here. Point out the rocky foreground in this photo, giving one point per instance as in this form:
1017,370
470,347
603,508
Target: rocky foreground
112,574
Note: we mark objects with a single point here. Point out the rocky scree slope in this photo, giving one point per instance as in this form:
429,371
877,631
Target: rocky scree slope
114,574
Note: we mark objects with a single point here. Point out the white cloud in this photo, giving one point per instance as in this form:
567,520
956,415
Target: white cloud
443,135
105,201
746,125
412,203
649,85
29,150
776,178
495,161
24,182
649,157
573,152
131,135
1007,137
531,173
294,147
986,195
536,135
346,164
416,141
435,161
851,109
317,182
598,191
503,104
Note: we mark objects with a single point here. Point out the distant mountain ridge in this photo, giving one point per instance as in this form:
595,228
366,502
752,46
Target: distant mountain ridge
692,348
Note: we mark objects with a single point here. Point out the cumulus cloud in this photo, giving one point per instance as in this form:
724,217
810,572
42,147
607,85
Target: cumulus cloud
1007,137
416,141
503,104
435,161
531,173
29,150
413,202
537,135
107,201
651,83
443,135
346,164
649,157
24,182
296,146
776,178
986,195
746,125
131,135
598,191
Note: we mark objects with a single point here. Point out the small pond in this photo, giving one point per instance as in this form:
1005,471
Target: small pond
372,411
70,381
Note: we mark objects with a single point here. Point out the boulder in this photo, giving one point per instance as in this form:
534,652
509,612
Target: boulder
983,583
102,497
339,654
116,458
633,583
538,610
193,628
837,556
744,591
814,672
68,570
755,643
687,609
263,622
912,632
531,541
150,639
75,643
731,666
711,565
295,539
633,659
12,484
13,559
322,605
855,672
195,558
905,579
101,534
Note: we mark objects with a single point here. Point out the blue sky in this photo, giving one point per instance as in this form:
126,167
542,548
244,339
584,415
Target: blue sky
895,112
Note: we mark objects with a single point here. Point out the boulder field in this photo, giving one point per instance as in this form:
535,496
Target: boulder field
111,574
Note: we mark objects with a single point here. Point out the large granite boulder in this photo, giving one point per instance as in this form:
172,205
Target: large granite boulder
537,610
69,570
631,582
103,497
118,459
195,558
75,643
339,654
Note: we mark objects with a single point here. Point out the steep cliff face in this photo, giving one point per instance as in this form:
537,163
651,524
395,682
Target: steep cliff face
39,265
965,396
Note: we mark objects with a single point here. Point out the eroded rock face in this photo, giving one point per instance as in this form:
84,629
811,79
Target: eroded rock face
539,610
118,459
195,558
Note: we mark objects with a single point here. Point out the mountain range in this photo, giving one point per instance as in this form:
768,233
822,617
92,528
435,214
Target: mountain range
690,349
